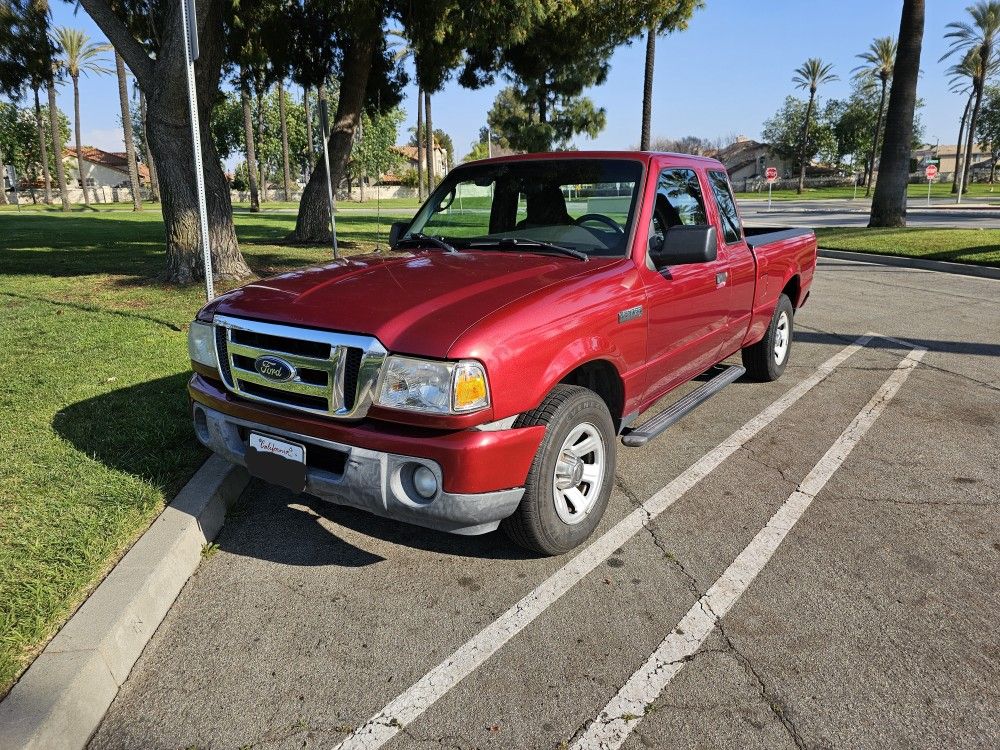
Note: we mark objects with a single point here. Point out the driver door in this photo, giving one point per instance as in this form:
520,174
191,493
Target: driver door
688,303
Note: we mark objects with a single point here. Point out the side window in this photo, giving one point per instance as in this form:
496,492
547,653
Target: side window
727,206
679,199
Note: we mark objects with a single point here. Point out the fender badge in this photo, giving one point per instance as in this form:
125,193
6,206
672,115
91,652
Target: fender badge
631,314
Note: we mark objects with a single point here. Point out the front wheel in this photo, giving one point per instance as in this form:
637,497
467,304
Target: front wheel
766,360
570,480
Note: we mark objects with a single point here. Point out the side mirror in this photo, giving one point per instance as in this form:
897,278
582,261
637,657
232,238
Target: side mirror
396,230
685,244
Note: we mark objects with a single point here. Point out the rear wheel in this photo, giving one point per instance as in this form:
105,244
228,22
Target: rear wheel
766,359
570,480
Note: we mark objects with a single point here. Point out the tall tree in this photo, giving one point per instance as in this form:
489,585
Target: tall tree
429,142
420,144
80,56
889,202
981,35
962,76
57,145
286,171
810,75
154,183
43,148
130,157
151,38
674,20
988,131
879,59
248,148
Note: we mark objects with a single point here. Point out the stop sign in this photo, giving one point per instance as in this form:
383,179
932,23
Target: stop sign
931,171
771,173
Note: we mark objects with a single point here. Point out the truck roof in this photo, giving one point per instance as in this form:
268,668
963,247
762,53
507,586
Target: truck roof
643,156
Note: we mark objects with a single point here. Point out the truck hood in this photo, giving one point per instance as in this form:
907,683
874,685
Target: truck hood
417,303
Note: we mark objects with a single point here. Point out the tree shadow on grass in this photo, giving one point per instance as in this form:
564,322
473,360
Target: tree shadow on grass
142,429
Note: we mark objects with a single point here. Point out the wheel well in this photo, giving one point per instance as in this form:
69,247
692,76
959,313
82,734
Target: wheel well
601,377
793,288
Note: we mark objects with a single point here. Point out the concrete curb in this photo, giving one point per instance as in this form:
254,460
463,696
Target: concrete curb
60,700
962,269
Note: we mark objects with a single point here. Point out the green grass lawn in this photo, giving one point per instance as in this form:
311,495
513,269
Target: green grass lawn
940,192
95,423
976,246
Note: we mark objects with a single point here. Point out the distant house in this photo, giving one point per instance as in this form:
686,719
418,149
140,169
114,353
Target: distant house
947,156
747,159
103,168
409,154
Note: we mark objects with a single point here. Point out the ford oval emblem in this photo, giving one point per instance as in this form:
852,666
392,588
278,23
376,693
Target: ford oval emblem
274,368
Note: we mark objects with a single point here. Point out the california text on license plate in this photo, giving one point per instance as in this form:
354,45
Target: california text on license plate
277,461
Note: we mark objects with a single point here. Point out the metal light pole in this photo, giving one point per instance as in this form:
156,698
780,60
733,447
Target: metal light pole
189,19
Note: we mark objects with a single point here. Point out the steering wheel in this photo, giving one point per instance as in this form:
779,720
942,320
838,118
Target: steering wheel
601,219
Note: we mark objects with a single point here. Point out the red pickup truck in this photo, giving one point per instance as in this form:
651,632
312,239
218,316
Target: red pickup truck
480,374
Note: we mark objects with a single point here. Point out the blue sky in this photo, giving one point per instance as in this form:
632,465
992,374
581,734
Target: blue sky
725,75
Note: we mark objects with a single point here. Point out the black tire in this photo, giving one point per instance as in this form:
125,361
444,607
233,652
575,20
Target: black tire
536,524
759,359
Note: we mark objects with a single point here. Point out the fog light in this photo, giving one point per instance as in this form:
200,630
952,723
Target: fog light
425,482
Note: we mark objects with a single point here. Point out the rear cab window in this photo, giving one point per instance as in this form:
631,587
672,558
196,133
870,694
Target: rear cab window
732,228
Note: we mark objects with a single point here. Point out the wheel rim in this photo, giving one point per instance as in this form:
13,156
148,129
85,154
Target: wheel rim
579,473
782,337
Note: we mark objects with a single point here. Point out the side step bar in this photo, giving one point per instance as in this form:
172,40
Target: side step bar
633,437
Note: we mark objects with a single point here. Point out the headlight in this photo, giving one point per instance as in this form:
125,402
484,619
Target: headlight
201,344
434,387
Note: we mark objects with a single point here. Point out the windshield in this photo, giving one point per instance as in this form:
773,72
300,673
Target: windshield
581,204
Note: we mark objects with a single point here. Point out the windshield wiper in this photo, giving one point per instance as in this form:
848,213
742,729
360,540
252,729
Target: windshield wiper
419,238
511,243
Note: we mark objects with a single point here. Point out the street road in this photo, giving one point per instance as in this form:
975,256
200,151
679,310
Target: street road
809,563
842,213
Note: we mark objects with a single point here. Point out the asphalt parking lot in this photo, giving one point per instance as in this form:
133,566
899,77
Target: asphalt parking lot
809,563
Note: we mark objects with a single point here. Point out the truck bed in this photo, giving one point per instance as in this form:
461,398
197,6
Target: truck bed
757,236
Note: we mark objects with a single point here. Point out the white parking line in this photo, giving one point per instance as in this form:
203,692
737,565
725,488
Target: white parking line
407,706
624,712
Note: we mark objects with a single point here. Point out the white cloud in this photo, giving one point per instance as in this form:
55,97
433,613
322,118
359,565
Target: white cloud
106,139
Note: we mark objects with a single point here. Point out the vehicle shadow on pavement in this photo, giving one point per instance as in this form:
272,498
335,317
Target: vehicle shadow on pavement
273,524
935,345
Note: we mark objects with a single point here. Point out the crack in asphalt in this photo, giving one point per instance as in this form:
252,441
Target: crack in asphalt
939,503
767,694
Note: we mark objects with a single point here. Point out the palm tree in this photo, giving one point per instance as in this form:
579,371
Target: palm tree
80,55
889,202
133,164
879,59
57,141
981,36
43,149
810,75
251,153
154,181
963,76
283,119
429,141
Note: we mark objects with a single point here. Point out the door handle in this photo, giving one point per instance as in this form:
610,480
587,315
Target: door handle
720,279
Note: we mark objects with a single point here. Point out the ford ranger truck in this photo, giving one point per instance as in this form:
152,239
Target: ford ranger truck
482,372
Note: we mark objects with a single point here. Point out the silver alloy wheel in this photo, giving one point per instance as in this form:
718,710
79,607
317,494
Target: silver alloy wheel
579,473
782,335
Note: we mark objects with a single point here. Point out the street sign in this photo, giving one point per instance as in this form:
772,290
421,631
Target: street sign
771,173
931,171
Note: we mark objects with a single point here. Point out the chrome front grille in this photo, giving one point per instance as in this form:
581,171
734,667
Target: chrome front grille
334,374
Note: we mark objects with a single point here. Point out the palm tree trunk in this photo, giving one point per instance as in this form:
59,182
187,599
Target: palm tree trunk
260,142
249,148
57,146
647,89
958,149
133,166
889,202
309,125
43,150
429,136
154,180
971,135
878,129
313,221
805,140
283,118
361,166
79,148
420,144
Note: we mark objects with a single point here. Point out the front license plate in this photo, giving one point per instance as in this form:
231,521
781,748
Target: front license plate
277,461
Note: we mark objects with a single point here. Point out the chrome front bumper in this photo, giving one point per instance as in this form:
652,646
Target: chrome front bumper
370,480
